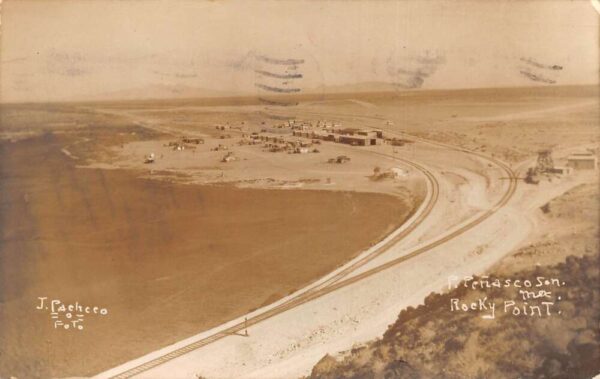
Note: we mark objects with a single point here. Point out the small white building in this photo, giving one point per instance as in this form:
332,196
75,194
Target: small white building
582,161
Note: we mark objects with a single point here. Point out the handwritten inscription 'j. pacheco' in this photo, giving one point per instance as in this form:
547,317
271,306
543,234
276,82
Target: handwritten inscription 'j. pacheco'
68,316
524,297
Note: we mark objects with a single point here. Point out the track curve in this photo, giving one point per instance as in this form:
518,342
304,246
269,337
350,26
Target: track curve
338,281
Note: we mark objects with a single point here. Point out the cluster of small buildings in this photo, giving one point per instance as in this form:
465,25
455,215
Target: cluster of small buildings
267,138
291,147
328,131
349,136
277,138
276,143
545,165
320,124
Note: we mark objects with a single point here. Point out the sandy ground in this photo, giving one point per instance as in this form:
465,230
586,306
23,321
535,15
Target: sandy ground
431,340
510,124
289,344
167,260
345,320
254,166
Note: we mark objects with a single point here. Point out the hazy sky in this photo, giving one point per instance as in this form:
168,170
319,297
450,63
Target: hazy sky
53,50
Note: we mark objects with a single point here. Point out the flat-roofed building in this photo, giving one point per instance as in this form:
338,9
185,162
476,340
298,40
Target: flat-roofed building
582,161
359,140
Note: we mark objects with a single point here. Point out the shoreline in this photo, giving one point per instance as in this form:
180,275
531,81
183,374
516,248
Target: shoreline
120,232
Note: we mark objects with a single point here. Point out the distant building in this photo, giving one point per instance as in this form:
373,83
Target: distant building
359,140
350,136
561,170
582,161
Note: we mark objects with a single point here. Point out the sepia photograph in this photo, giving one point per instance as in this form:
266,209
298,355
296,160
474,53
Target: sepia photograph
299,189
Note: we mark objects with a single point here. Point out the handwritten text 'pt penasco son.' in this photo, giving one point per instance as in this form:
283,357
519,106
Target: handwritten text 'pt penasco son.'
532,297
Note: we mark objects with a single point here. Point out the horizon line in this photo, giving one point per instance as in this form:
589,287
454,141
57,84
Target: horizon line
309,92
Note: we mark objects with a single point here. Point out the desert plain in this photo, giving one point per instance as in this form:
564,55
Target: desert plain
104,204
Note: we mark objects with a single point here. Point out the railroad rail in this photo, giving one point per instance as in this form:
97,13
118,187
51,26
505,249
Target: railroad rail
337,281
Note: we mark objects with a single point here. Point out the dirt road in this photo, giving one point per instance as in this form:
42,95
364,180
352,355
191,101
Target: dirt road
156,363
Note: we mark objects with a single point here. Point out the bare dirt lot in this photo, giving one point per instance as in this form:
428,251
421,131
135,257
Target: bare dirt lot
166,260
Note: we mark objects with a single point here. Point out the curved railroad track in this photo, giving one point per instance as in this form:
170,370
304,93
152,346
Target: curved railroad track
337,281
